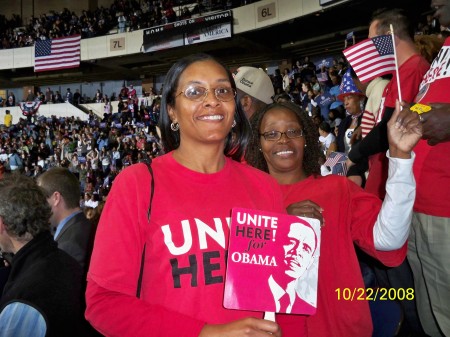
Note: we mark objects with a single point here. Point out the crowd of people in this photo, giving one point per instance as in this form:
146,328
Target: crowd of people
213,142
94,150
122,15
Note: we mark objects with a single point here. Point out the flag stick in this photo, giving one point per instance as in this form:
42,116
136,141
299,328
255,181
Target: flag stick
396,64
270,316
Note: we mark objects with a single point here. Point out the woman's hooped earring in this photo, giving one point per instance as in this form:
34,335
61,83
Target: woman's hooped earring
234,123
306,145
174,126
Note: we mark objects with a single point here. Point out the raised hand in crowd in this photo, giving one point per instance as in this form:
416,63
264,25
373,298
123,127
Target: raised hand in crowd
404,131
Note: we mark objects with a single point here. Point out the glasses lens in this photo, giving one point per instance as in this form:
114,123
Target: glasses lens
272,135
225,94
294,133
195,93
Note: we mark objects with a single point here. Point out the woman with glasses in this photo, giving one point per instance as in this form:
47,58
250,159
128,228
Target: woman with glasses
196,184
284,144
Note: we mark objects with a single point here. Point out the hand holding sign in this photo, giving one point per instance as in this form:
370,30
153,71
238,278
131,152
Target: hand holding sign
272,259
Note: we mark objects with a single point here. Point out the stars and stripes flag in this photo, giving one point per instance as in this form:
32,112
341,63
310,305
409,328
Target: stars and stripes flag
337,162
59,53
372,58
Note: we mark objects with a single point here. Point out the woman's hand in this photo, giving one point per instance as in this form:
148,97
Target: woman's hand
404,131
247,327
307,209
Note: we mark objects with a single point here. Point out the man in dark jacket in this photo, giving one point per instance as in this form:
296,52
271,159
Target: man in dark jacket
42,296
73,232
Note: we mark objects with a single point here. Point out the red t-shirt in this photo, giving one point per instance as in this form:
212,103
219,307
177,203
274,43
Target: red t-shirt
411,73
431,168
186,242
350,214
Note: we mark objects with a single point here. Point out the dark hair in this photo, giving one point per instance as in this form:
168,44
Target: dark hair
284,96
60,179
236,141
399,20
338,77
23,207
324,126
255,157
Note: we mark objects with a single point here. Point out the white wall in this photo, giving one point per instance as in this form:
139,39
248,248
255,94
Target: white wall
47,110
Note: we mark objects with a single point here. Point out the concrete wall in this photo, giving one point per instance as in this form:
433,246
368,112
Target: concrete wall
47,110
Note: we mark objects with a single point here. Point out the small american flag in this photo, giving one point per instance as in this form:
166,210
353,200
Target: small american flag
60,53
372,58
336,161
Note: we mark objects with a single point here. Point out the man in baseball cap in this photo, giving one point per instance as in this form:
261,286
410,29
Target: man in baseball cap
255,89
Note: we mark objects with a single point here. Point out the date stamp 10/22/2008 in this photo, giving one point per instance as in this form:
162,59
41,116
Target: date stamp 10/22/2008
373,294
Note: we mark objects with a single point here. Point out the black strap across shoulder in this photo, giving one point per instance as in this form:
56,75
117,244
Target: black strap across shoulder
148,163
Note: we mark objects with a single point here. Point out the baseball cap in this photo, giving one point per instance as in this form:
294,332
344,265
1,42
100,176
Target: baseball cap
254,82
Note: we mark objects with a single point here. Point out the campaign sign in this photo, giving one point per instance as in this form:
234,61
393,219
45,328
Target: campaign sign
273,262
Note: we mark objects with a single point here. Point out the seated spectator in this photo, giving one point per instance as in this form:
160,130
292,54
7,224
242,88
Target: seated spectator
323,99
11,99
123,94
89,200
186,14
353,100
335,90
335,118
327,139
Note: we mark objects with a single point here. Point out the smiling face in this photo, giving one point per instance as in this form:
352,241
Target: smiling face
299,250
286,154
208,120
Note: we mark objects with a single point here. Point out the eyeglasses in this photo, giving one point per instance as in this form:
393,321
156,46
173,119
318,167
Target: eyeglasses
198,94
276,135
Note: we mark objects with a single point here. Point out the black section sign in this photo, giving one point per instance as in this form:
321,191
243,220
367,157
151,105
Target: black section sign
187,26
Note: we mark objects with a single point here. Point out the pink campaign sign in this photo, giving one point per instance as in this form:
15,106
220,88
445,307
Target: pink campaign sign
273,262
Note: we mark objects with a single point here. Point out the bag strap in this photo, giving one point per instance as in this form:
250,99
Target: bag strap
148,163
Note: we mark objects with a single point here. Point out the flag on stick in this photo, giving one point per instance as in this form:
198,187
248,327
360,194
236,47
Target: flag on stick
60,53
372,58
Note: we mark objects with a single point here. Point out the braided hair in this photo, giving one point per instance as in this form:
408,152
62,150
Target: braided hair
254,155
